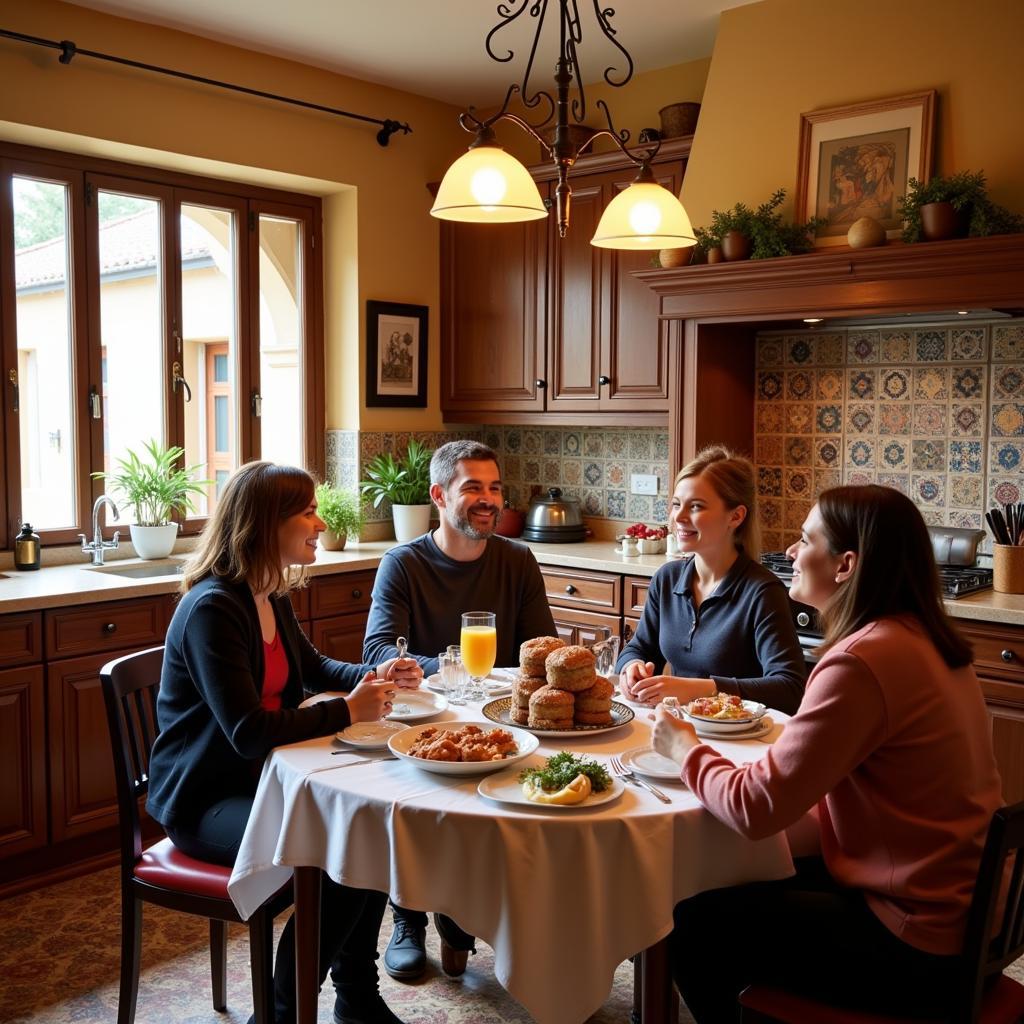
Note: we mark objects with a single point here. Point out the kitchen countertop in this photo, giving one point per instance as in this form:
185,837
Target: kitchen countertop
78,584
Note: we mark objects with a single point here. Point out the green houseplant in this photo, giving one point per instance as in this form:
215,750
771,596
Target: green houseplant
405,482
343,514
757,234
952,207
156,487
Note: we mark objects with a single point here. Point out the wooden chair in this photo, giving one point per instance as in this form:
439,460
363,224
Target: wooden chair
984,994
162,874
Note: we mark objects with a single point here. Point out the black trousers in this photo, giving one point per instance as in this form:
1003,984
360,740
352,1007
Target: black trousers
349,918
805,934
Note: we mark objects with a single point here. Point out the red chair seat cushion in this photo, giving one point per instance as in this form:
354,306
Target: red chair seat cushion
1003,1004
164,865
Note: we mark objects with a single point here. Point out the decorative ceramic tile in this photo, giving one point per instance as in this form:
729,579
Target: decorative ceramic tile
593,444
513,440
965,457
1008,343
894,384
661,445
965,520
928,489
770,418
551,472
799,417
795,514
862,346
968,344
1007,381
639,507
371,443
512,467
894,455
966,419
492,438
770,385
768,449
640,445
928,456
572,472
799,385
533,442
860,417
637,467
894,418
931,383
769,351
830,349
665,482
898,481
828,419
965,491
829,386
572,443
799,352
796,483
615,503
933,517
1005,491
615,474
592,503
968,382
826,478
862,384
860,454
770,513
531,471
895,346
771,540
798,451
930,418
769,481
1006,457
552,442
593,474
659,510
857,477
347,477
1008,419
930,346
826,454
616,445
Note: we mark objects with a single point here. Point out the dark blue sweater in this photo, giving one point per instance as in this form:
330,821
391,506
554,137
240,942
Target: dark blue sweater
742,636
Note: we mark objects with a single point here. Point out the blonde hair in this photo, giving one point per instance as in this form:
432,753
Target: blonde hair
733,479
240,542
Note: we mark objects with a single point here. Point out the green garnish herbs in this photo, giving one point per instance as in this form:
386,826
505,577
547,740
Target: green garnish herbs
562,768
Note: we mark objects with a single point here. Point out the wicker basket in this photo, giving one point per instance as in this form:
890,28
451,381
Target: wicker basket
678,119
1008,568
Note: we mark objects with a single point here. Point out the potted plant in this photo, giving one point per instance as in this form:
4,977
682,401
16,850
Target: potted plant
953,207
405,482
343,514
156,488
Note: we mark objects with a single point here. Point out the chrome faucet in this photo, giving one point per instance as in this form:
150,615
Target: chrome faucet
99,545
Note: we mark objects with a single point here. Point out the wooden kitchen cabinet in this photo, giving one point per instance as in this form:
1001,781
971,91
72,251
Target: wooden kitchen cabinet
583,604
339,607
22,759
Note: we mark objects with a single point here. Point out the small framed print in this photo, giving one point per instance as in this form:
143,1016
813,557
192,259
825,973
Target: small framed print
855,161
396,354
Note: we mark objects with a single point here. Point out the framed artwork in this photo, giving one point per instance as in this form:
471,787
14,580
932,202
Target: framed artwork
396,354
855,162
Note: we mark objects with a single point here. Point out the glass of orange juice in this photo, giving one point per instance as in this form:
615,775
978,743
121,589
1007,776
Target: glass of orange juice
479,643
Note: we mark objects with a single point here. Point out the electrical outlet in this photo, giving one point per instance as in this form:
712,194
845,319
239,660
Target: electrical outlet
643,483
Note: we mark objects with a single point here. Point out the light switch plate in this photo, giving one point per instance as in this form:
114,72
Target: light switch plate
643,483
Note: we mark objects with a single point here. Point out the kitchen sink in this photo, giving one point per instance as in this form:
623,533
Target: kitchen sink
139,570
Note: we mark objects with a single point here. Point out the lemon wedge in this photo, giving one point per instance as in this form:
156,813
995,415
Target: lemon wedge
574,793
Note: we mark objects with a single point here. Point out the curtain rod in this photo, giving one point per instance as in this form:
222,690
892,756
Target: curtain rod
69,50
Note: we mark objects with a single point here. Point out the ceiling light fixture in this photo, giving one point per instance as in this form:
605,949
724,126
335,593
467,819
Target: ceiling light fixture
488,186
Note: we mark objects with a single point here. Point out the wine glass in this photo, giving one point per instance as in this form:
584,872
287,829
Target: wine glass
479,643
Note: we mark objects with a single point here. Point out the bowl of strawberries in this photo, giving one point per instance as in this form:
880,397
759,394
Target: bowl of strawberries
650,539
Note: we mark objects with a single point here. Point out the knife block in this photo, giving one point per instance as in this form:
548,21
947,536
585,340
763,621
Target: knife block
1008,568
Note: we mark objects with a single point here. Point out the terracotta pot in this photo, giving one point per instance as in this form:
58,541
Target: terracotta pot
941,220
715,254
331,541
675,257
510,522
736,246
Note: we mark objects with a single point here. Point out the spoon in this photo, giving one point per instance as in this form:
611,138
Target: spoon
403,645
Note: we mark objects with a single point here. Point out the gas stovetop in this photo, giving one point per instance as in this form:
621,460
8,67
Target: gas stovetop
955,580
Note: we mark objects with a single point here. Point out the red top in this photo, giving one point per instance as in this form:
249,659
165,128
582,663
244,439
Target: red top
275,673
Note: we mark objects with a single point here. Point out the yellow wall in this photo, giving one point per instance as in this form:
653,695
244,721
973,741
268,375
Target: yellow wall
390,243
777,59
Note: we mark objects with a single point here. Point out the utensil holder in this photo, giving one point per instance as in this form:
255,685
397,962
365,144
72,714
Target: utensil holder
1008,568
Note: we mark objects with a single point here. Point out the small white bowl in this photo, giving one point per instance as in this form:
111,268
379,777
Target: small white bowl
755,711
400,743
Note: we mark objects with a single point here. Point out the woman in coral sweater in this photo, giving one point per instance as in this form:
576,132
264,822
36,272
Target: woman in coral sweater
885,780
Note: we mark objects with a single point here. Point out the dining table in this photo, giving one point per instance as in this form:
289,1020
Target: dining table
563,895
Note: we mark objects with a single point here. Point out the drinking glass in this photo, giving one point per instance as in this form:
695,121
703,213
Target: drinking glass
479,643
453,676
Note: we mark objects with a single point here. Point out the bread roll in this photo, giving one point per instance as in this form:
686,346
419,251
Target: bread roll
594,718
533,652
571,668
524,687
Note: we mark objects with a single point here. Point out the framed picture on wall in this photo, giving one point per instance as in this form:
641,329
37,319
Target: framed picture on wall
855,162
396,354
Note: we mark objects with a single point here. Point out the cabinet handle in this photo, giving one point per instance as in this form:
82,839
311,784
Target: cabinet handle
570,589
356,594
541,384
604,380
803,619
110,627
1007,655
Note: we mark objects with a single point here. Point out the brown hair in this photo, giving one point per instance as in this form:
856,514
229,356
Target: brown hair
732,477
240,540
895,572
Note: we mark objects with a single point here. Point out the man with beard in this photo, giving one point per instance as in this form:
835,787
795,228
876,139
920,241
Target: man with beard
422,589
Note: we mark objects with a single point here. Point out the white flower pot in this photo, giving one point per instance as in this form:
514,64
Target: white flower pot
153,541
331,541
649,546
411,521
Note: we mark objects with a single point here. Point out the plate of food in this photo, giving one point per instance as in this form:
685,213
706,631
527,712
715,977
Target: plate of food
370,735
462,748
415,705
647,761
724,713
564,781
500,711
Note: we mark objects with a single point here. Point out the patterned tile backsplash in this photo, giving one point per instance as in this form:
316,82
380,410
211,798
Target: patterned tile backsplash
936,411
592,464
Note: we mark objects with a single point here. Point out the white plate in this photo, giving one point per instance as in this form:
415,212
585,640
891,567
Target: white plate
415,705
370,735
647,761
507,789
401,742
498,683
499,711
752,732
720,726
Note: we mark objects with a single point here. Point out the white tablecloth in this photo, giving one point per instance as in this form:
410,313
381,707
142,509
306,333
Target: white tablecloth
562,896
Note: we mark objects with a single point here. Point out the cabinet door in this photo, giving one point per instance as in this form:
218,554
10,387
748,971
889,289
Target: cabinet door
1008,744
341,637
492,316
22,760
584,627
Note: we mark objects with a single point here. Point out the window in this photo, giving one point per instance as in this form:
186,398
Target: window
145,304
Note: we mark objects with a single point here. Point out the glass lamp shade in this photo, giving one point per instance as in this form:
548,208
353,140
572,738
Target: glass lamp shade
487,186
644,216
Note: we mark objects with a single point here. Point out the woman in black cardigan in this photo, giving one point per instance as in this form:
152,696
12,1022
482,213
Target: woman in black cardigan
236,669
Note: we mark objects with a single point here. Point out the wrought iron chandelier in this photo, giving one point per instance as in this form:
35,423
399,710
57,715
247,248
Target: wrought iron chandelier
488,186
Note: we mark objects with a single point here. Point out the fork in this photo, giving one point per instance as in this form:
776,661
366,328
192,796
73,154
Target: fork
618,768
